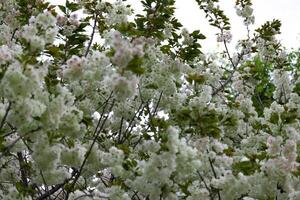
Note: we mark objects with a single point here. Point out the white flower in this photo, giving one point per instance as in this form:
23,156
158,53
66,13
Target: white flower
74,19
284,88
124,87
247,11
290,150
5,54
45,20
116,193
168,30
72,157
117,14
74,68
225,37
274,145
29,31
61,20
294,195
14,84
36,43
51,34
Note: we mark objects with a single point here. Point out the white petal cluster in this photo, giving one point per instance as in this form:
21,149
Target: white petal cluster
40,31
224,37
246,12
117,14
283,85
180,162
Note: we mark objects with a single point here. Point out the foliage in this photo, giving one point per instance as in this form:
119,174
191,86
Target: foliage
142,112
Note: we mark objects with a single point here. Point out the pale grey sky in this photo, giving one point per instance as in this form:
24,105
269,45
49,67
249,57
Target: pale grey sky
288,11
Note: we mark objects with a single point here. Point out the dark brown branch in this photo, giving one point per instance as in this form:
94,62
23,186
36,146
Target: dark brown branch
151,115
9,133
92,36
13,34
5,116
44,181
10,146
205,184
53,190
214,172
24,173
96,135
120,130
131,125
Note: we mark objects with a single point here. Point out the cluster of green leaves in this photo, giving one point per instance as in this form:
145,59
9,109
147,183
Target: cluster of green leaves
195,78
287,117
191,51
28,8
243,3
259,74
158,15
215,15
156,18
269,29
246,167
294,64
74,43
204,123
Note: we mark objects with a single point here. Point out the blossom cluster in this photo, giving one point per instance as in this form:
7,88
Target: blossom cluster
130,117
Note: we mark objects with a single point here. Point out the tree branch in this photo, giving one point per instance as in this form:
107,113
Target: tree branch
96,135
92,36
5,116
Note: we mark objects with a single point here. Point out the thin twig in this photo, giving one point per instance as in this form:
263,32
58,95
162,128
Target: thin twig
10,146
131,125
205,184
214,172
228,54
44,181
96,135
53,190
5,116
158,101
120,130
135,195
13,34
154,112
92,36
9,133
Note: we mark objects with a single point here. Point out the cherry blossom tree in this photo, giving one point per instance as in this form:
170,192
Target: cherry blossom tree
98,102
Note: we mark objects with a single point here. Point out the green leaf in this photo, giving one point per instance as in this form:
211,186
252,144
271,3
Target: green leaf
289,117
62,8
197,78
135,65
229,151
124,148
152,86
274,118
72,6
158,122
246,167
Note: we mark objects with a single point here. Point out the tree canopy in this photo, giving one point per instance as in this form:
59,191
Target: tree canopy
97,102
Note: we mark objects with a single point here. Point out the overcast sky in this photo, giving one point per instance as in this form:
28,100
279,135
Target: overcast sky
288,11
188,13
